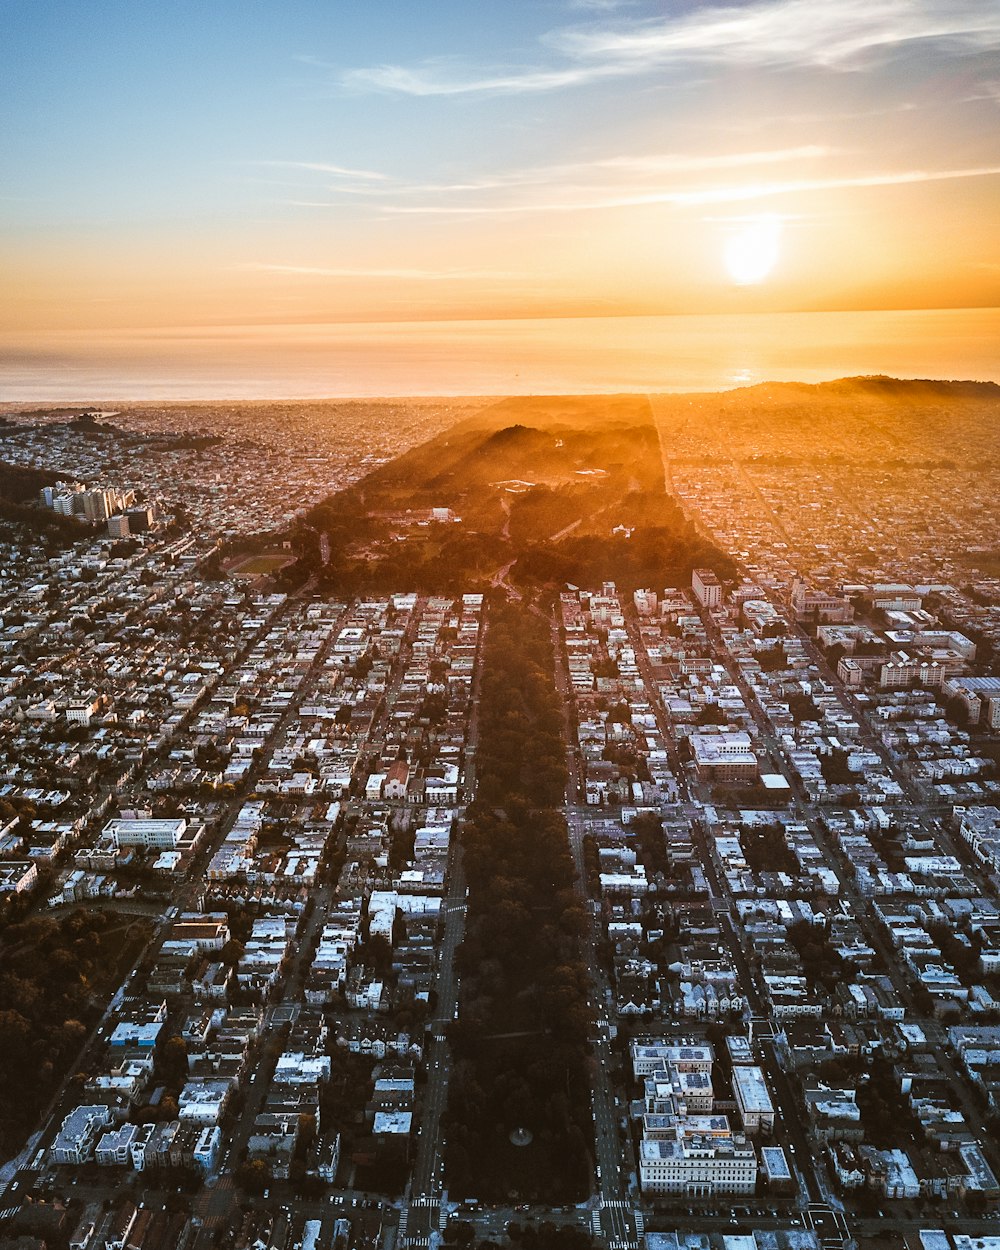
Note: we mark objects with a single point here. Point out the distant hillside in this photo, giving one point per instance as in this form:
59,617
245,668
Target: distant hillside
877,425
879,386
18,483
40,414
545,411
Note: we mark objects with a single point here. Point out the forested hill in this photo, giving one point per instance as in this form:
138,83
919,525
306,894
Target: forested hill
20,484
532,492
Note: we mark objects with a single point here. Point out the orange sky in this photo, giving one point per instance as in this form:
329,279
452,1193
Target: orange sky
498,160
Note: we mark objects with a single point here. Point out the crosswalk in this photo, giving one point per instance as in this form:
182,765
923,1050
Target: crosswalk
828,1223
420,1204
621,1213
9,1213
619,1204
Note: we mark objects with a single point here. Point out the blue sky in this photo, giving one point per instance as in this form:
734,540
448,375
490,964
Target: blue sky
246,160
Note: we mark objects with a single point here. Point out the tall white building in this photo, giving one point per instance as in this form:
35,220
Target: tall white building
707,588
75,1141
645,602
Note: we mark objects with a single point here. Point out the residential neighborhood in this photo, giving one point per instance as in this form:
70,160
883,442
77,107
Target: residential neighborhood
781,808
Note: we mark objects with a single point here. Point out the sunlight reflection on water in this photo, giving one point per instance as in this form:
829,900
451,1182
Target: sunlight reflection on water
498,357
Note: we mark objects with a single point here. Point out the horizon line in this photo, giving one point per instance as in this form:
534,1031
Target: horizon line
450,319
11,407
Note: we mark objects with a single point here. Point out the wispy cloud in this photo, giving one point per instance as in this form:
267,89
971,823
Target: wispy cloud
989,89
778,33
598,6
639,166
677,162
434,79
320,167
697,195
402,275
611,182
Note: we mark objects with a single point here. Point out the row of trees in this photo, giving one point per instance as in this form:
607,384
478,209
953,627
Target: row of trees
521,1049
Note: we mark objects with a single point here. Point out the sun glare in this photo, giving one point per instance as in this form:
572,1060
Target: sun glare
752,250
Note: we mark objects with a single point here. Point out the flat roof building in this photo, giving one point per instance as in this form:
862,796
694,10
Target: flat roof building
776,1170
165,835
725,756
753,1099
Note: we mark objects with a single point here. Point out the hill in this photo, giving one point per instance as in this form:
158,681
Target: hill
536,492
20,483
878,386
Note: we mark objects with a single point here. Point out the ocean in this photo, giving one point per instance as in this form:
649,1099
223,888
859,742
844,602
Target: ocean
513,357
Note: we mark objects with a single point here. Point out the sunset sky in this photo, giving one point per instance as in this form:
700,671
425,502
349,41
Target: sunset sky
222,162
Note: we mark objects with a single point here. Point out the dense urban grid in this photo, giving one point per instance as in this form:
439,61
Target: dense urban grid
389,857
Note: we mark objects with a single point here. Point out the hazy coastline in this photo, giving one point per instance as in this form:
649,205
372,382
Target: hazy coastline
538,356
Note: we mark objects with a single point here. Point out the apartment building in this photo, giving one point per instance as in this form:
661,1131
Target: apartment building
707,588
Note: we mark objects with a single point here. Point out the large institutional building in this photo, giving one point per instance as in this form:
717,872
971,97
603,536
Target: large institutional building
685,1148
164,835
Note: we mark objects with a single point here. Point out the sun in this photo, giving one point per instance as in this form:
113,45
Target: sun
752,250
